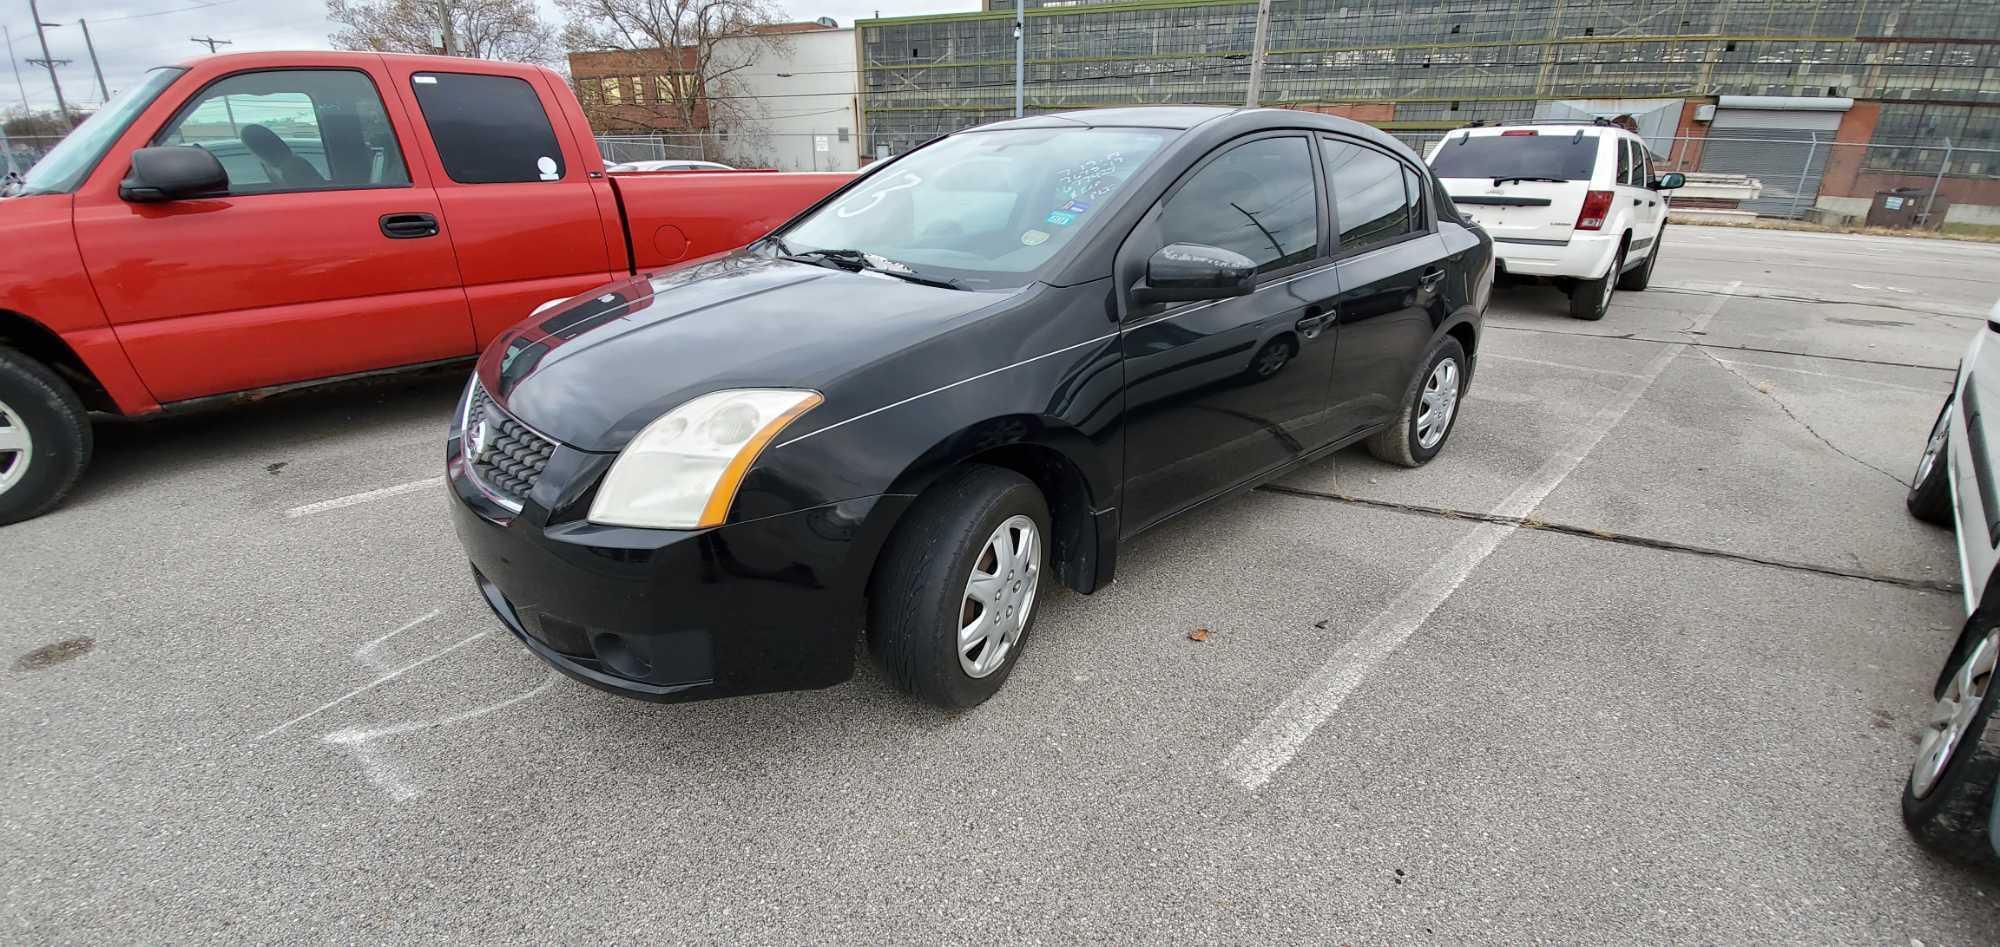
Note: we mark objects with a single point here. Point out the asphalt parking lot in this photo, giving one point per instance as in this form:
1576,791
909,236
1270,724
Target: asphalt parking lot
1676,706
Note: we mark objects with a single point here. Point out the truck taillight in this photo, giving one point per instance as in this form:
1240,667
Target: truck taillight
1518,132
1596,207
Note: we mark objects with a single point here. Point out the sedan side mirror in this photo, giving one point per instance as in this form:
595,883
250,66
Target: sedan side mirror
172,173
1670,181
1185,272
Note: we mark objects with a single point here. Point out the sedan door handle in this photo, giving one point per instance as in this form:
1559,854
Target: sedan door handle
409,226
1315,320
1431,278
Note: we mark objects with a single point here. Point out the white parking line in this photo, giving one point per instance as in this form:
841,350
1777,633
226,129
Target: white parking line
1574,368
371,685
366,652
1283,731
1939,391
353,499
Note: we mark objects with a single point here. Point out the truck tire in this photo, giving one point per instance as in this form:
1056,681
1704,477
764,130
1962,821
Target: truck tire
1637,280
942,575
1948,799
44,438
1589,299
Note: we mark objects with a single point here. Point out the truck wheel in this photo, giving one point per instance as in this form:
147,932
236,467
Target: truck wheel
953,598
1948,800
44,438
1929,498
1590,298
1639,279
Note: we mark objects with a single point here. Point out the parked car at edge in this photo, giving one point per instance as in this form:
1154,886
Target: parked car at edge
977,370
1951,802
637,167
241,222
1575,203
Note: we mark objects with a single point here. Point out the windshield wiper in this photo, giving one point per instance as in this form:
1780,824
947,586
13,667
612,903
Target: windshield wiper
1499,181
855,261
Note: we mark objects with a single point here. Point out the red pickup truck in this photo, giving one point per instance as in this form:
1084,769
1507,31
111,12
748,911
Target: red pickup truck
244,222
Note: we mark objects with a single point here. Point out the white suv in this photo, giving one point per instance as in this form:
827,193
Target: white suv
1577,203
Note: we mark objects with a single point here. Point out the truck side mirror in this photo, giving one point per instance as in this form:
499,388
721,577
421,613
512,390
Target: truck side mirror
1670,181
1185,272
172,173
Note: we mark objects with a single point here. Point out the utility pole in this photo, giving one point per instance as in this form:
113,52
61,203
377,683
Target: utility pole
62,107
450,36
1020,58
211,42
102,89
25,108
1257,54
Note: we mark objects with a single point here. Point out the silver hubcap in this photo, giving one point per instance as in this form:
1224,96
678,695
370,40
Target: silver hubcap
1954,712
17,447
999,596
1932,448
1438,402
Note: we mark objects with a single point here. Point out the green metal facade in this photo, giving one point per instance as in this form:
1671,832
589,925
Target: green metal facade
1439,65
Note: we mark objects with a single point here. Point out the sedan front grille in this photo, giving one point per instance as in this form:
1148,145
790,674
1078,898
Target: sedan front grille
503,455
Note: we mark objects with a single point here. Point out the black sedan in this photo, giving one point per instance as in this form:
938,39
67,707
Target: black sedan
977,367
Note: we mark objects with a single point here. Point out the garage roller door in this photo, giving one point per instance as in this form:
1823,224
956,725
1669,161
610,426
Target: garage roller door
1784,145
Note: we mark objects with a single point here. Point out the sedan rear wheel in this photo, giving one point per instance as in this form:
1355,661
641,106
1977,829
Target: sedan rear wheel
1429,410
1948,801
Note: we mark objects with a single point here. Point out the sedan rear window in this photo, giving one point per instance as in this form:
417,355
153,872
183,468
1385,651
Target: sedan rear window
1566,157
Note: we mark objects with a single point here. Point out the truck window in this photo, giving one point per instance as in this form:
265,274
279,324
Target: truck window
293,130
1569,157
488,129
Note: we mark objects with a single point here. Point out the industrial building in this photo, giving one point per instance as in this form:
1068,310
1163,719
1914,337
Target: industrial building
1789,89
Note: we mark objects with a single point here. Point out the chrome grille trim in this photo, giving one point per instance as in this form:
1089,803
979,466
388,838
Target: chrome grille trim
508,461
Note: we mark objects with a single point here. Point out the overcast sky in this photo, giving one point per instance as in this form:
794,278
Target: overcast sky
132,36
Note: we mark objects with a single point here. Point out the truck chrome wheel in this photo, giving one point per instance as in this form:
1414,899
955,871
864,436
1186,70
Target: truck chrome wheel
1440,400
999,596
1955,711
1933,447
17,447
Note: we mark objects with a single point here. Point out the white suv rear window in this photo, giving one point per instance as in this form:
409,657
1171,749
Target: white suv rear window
1566,157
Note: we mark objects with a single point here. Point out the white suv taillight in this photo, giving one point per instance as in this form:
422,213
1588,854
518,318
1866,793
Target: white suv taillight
1596,207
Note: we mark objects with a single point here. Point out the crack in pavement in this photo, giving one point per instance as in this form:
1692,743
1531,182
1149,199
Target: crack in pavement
1632,337
1627,539
1821,301
1801,422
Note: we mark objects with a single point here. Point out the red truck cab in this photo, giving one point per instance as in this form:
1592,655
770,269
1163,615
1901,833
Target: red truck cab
373,212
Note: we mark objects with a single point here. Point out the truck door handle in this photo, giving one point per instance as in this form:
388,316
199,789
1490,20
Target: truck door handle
408,226
1431,278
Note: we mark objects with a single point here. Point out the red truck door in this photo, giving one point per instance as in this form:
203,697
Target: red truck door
328,256
523,213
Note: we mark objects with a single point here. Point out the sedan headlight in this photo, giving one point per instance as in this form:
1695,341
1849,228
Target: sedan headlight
682,471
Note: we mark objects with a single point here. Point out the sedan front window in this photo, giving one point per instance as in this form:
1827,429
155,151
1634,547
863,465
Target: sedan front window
985,208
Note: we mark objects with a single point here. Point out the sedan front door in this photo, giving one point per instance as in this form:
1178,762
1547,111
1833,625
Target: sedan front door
1220,392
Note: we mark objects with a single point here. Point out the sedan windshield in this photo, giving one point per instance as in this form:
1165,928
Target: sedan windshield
64,167
982,209
1566,157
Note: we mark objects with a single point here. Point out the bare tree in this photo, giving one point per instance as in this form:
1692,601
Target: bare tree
689,48
483,29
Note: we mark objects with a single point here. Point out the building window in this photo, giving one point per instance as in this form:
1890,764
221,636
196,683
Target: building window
613,95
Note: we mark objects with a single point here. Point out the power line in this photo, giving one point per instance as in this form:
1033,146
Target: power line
211,42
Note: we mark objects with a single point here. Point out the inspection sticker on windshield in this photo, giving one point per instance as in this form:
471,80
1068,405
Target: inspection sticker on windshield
1061,218
1034,238
1075,207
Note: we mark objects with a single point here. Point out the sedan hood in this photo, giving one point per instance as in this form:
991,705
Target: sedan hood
594,371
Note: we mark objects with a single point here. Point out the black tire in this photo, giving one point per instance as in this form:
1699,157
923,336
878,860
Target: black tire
1929,498
58,432
1399,443
1590,299
1637,280
917,597
1954,816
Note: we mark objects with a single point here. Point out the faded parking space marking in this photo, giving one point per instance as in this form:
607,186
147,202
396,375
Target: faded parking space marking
371,685
367,651
1278,737
355,499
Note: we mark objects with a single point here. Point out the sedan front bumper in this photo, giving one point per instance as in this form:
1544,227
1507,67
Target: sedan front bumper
664,615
